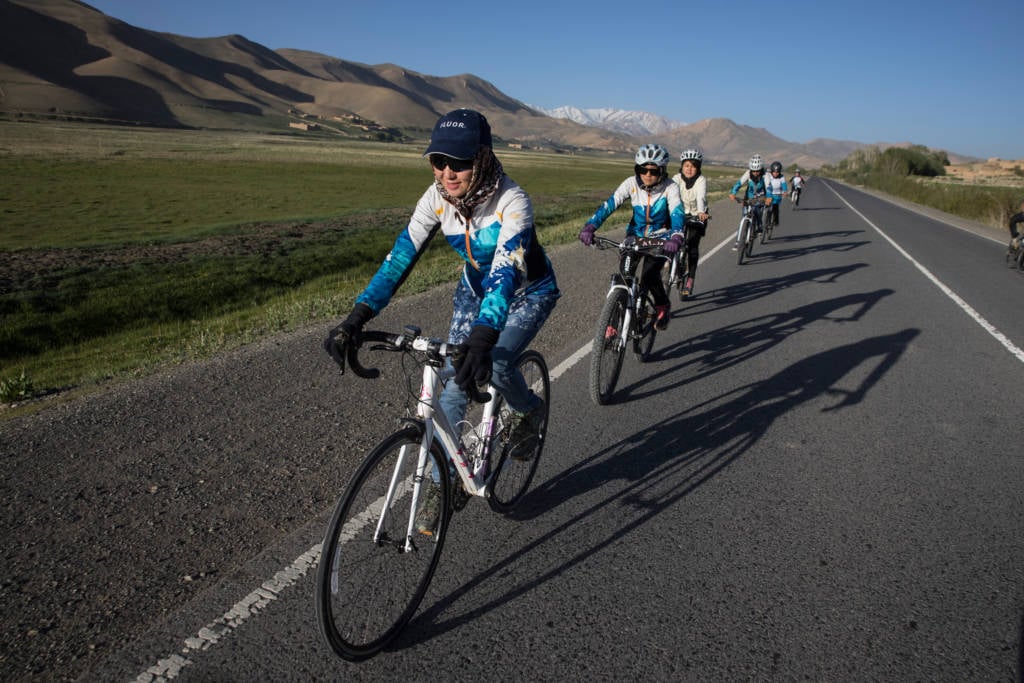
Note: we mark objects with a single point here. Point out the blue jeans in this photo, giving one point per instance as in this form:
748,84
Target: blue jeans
526,315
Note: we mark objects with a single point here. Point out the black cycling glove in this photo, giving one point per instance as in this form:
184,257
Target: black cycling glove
472,360
347,332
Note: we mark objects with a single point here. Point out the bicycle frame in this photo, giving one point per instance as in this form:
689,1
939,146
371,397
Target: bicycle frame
628,280
473,472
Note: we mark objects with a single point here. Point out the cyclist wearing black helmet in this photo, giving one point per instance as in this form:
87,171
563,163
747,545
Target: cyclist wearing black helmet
775,185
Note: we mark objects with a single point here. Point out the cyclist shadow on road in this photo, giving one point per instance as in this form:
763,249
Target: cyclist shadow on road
735,295
658,466
772,252
706,354
727,346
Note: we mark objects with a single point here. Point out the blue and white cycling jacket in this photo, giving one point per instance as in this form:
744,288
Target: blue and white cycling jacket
776,187
656,209
503,257
752,187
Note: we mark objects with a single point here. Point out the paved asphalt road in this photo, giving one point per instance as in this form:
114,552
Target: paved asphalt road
818,475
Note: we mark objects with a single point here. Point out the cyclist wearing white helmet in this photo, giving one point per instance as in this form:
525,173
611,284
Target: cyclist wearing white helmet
753,178
657,212
796,186
693,190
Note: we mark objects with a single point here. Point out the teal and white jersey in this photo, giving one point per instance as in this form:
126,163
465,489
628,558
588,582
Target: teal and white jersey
499,245
655,209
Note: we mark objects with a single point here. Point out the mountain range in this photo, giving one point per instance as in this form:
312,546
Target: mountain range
64,58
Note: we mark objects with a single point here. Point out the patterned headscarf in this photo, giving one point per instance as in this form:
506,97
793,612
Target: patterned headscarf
487,173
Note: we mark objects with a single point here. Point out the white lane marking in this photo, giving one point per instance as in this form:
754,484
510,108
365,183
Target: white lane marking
170,667
252,604
977,317
913,209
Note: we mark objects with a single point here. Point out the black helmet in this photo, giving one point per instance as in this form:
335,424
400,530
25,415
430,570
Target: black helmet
776,166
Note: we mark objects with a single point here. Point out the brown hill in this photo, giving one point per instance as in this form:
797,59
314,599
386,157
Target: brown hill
65,58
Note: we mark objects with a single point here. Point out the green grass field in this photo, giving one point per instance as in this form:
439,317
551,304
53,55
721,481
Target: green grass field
126,249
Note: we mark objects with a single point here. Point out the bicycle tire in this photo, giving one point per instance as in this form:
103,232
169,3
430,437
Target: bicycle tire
751,238
1020,258
512,476
608,350
366,590
741,242
643,342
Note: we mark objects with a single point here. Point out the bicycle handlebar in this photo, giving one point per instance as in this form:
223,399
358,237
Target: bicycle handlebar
409,340
649,246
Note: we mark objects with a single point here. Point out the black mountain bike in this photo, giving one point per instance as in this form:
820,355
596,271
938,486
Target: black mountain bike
628,315
750,225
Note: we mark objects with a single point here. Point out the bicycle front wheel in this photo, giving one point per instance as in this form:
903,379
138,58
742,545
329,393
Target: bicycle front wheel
372,573
745,227
512,475
644,326
609,347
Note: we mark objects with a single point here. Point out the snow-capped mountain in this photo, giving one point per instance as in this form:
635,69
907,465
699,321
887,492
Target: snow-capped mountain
638,123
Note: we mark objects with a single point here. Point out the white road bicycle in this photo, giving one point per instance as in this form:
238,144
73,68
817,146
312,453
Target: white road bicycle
377,559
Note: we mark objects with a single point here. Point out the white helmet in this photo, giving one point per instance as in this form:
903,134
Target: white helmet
756,163
691,155
652,154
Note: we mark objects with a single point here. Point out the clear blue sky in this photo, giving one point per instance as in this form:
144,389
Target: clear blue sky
949,75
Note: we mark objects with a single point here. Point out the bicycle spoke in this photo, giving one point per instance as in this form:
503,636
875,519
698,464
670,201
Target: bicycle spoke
370,580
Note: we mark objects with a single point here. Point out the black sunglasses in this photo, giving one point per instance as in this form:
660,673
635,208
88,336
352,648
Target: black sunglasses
644,170
439,161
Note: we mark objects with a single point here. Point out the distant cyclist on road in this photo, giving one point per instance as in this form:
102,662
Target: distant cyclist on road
775,184
693,190
1015,220
657,212
753,178
797,181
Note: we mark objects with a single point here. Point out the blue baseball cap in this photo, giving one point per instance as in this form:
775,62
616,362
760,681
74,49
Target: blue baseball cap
459,134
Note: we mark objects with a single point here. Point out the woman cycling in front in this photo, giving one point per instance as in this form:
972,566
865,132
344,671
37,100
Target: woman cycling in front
753,178
656,206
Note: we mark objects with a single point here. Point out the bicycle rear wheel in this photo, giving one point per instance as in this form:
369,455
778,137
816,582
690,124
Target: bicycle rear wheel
368,585
609,347
512,476
742,241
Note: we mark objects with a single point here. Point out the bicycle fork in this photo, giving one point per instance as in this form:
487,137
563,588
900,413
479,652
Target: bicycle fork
473,474
622,336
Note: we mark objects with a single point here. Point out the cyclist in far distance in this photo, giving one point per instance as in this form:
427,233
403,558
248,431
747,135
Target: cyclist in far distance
693,190
775,184
797,181
657,212
753,178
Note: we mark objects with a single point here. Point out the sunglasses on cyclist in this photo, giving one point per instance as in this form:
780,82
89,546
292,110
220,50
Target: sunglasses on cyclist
647,170
439,161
